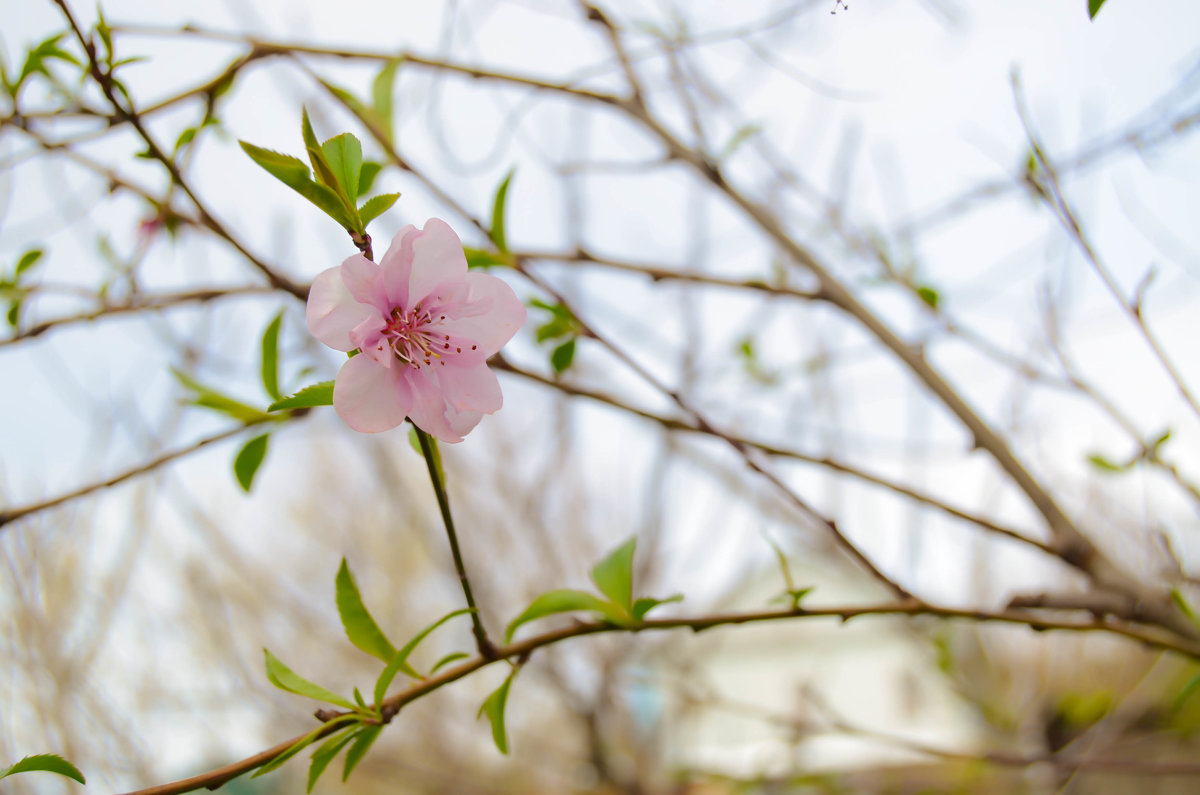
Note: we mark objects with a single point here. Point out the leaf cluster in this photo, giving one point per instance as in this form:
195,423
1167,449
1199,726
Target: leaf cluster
563,329
615,604
13,287
339,177
361,723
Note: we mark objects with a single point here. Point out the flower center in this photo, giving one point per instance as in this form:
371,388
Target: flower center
412,335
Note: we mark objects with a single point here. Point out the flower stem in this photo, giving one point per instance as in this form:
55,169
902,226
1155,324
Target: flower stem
432,460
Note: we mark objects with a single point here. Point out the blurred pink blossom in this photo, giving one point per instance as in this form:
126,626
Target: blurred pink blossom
425,327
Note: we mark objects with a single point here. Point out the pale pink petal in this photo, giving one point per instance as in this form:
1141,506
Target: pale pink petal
368,338
332,311
371,398
364,280
428,411
503,316
397,266
471,388
437,258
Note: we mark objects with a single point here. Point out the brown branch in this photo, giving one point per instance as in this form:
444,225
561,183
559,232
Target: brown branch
137,303
105,80
522,649
12,514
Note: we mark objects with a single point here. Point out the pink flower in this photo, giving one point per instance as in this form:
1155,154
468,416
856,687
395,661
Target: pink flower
425,327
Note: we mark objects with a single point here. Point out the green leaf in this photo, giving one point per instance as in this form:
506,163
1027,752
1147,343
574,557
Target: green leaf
286,679
1191,687
1104,465
399,661
493,707
292,172
270,356
362,743
1156,443
346,98
209,398
1094,8
344,154
449,658
360,627
105,32
930,296
289,170
644,605
614,575
14,313
498,235
381,96
320,394
46,763
479,258
27,261
565,601
301,744
249,459
557,327
562,356
327,753
375,206
366,177
739,137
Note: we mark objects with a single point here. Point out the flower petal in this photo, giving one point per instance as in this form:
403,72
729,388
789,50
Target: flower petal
503,316
332,311
429,409
371,398
364,280
471,388
437,258
397,266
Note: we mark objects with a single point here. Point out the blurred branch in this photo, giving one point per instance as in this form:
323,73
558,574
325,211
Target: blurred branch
135,304
104,79
12,514
523,649
1047,178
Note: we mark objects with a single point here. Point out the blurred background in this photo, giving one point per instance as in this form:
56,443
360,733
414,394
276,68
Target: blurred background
1009,187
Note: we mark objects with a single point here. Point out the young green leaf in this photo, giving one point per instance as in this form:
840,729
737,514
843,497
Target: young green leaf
478,258
363,739
565,601
375,206
493,707
353,103
930,296
249,459
1094,8
303,743
286,679
498,234
289,170
562,356
360,627
644,605
344,154
449,658
327,753
399,661
27,261
320,394
381,96
1104,465
46,763
366,177
270,357
614,575
209,398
